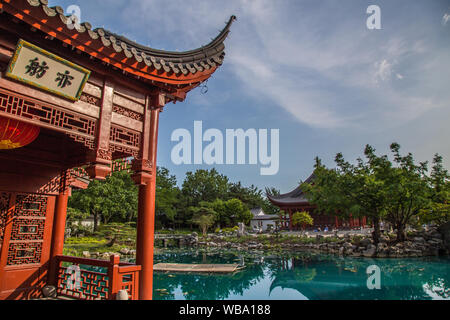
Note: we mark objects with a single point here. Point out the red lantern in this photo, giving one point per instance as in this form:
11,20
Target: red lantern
15,134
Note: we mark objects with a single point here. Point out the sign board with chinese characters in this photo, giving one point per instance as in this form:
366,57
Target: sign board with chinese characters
37,67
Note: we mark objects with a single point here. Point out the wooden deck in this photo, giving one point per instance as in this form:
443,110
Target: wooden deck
197,268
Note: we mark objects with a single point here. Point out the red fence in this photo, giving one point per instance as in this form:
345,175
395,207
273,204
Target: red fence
90,279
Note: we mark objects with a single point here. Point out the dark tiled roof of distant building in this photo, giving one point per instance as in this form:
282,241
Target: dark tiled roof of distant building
296,196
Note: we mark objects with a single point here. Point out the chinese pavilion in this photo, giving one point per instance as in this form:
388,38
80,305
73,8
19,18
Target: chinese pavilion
297,201
74,100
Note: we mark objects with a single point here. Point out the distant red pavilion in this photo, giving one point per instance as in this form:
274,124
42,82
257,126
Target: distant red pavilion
296,201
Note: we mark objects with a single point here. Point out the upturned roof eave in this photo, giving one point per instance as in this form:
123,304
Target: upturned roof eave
184,68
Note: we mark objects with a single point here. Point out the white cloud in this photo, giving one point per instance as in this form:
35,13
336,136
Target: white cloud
445,19
318,63
383,70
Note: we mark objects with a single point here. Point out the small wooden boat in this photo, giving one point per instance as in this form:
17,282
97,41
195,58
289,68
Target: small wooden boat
197,268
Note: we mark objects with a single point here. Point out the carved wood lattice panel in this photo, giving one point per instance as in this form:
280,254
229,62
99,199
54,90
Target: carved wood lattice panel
27,233
124,140
79,127
4,205
20,106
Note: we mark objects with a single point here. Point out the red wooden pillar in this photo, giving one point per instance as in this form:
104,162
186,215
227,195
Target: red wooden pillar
59,228
145,176
351,221
336,222
290,220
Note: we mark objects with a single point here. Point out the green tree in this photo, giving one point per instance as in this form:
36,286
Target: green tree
237,211
350,189
204,222
377,188
204,185
111,200
167,196
204,216
302,218
439,210
251,196
408,190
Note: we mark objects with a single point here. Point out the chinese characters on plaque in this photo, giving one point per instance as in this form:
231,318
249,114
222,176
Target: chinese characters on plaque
37,67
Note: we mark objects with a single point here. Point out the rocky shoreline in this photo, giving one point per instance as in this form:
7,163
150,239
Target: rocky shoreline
432,242
421,244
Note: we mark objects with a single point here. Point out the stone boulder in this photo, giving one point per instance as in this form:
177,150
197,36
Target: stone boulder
49,291
122,295
370,252
124,251
241,230
347,245
444,231
365,242
418,239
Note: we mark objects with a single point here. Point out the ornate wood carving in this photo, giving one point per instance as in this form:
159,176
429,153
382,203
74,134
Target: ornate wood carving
4,205
88,98
124,140
46,114
87,142
120,135
127,113
27,235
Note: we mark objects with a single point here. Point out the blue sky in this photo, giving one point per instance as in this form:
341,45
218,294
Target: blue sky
309,68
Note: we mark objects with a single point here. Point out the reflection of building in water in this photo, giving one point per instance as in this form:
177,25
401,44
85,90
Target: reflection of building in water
317,278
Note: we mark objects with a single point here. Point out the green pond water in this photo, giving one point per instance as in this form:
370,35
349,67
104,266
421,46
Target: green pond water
301,276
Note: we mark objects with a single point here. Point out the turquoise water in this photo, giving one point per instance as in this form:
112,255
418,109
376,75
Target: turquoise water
301,276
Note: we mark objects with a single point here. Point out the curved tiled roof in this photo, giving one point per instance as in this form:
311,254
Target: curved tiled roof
172,67
296,196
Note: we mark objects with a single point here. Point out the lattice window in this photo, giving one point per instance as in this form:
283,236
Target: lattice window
31,205
27,233
125,136
21,106
24,253
124,141
28,229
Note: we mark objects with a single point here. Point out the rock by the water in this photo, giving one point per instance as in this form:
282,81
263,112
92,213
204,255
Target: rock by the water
49,291
124,251
122,295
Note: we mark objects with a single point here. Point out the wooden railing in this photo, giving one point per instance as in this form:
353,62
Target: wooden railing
90,279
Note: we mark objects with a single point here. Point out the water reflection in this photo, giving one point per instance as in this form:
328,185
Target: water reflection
301,276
